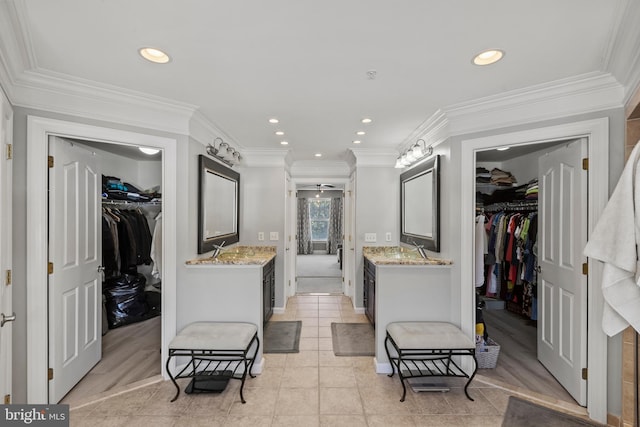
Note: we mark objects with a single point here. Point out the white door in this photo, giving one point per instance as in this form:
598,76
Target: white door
562,293
75,249
6,313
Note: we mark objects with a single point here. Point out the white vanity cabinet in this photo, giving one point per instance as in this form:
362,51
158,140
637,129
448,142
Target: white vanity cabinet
231,289
407,292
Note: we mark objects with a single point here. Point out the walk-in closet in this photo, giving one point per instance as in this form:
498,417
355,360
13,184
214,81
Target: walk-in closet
130,226
508,235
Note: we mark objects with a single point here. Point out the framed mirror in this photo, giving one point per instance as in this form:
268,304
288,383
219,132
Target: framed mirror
420,205
218,205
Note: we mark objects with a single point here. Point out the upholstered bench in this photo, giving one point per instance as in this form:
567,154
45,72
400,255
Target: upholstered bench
217,352
425,349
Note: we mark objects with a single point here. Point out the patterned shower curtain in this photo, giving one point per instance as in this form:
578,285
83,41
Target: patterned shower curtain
335,225
304,228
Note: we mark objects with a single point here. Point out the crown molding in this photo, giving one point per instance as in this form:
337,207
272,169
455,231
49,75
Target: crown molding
562,98
319,169
622,57
263,158
204,131
372,157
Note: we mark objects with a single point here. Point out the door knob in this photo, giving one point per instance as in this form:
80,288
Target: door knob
100,268
4,319
538,269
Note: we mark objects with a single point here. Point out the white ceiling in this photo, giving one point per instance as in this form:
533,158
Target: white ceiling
306,62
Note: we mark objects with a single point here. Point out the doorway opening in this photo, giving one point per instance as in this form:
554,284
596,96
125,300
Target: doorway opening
38,132
130,262
320,238
509,282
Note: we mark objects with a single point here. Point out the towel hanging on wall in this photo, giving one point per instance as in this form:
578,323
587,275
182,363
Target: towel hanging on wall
614,241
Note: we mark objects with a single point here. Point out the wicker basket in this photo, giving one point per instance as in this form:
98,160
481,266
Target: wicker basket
487,355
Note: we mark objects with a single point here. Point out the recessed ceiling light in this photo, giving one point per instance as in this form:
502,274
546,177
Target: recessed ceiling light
318,155
360,132
503,148
366,120
279,133
149,151
154,55
488,57
284,143
357,141
274,120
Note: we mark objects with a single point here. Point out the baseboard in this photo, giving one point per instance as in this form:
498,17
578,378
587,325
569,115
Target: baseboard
278,310
382,367
359,310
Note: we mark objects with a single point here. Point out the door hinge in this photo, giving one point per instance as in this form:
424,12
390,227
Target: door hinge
585,268
50,268
9,151
584,373
585,163
8,278
50,374
7,399
50,161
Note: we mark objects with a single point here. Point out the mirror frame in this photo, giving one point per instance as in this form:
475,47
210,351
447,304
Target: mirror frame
431,243
207,165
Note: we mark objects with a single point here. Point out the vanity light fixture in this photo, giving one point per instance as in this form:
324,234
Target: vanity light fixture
414,153
279,133
360,132
357,141
502,148
154,55
318,154
488,57
273,120
224,152
149,151
366,120
284,143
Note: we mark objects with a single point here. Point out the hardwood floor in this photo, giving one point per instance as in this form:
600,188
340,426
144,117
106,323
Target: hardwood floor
130,354
517,361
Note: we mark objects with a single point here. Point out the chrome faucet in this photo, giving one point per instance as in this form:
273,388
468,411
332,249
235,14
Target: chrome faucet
219,248
420,249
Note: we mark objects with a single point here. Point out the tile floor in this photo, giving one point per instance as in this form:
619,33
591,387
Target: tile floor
305,389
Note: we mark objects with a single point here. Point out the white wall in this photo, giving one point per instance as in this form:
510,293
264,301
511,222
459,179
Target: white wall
377,211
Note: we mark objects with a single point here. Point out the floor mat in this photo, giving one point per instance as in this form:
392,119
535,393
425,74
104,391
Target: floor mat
282,337
522,413
353,339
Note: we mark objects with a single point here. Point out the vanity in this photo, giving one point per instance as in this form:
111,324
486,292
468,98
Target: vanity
402,286
236,286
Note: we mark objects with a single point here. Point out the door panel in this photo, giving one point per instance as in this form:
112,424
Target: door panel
75,323
561,285
6,331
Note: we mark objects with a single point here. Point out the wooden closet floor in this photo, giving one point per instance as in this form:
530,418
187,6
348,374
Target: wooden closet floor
129,353
518,364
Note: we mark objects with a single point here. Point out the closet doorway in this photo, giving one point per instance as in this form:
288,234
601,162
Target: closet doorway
126,235
320,239
528,260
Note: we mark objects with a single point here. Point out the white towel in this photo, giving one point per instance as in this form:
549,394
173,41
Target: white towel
614,241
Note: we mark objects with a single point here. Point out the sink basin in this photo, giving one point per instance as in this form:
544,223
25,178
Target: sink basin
233,254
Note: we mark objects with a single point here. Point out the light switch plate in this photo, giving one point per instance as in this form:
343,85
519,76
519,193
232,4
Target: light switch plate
273,235
261,235
370,237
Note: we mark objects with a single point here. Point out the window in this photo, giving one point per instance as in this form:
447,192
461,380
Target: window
319,210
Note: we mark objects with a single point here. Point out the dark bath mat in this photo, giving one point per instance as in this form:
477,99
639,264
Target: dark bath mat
353,339
522,413
282,337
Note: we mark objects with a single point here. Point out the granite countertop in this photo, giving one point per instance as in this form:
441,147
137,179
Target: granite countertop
239,255
398,255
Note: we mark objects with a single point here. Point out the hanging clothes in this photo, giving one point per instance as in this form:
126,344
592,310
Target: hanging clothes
126,241
481,249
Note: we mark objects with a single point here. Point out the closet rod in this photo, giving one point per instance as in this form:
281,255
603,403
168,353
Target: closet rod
131,203
506,206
